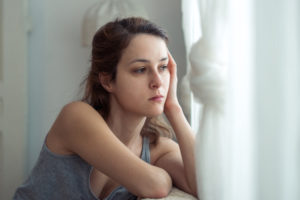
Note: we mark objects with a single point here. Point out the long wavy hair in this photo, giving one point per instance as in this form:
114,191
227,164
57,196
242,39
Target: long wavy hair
108,44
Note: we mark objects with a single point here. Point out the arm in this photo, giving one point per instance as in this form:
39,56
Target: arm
84,132
186,143
179,161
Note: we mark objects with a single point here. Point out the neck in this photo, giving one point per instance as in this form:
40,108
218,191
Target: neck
127,128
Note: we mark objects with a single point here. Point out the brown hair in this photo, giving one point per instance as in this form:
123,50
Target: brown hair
108,45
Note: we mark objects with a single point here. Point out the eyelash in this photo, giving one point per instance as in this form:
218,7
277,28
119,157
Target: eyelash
142,69
164,67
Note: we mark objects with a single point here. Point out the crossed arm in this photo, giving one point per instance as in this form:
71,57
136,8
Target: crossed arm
79,129
179,162
178,159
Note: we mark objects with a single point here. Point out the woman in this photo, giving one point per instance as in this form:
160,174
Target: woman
109,145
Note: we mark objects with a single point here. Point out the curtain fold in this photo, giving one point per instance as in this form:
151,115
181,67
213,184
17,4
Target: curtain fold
191,31
207,83
248,142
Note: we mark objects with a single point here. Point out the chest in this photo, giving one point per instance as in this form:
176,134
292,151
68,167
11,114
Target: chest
102,185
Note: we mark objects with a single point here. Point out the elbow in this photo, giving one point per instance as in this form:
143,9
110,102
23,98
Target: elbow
160,192
162,187
158,188
156,192
193,191
190,189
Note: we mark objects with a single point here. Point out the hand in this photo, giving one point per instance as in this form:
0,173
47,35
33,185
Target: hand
172,101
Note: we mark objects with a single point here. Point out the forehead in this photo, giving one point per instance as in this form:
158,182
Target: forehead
145,46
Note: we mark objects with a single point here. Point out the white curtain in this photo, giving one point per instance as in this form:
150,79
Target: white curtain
207,81
244,72
277,67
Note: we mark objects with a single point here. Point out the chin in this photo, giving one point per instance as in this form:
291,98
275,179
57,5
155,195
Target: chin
155,113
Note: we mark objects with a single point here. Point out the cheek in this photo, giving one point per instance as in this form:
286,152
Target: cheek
130,87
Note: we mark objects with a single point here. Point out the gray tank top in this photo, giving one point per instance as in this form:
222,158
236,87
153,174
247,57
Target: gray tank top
56,177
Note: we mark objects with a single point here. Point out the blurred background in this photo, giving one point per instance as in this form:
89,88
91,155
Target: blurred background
43,63
44,57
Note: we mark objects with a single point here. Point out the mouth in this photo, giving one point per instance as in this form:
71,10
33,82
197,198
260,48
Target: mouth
157,98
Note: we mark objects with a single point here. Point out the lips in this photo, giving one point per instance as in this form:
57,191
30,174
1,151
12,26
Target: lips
157,98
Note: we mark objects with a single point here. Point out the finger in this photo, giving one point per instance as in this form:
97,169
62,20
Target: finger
172,63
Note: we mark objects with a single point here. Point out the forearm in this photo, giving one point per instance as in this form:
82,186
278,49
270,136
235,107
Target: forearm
162,183
186,142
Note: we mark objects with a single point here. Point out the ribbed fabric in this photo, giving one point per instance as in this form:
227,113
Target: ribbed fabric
61,177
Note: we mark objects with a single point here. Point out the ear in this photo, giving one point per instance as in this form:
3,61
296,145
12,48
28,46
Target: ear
106,82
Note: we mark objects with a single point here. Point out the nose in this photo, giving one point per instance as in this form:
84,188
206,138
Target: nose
156,80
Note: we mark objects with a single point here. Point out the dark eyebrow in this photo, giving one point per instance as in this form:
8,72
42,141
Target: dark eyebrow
146,61
163,59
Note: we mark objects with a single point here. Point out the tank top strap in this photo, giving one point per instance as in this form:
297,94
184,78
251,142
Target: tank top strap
146,150
120,192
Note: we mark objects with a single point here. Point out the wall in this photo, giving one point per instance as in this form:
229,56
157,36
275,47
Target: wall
13,95
58,62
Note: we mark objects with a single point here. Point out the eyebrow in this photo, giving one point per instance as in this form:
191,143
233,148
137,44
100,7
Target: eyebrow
146,61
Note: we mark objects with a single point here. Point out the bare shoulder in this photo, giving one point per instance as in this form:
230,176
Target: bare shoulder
167,143
77,107
78,115
77,112
74,118
164,146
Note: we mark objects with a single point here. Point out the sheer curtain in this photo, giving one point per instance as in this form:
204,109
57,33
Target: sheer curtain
277,66
243,73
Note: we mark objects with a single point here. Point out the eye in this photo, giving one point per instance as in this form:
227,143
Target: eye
139,70
163,67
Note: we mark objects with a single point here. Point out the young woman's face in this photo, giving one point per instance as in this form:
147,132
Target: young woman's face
142,79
